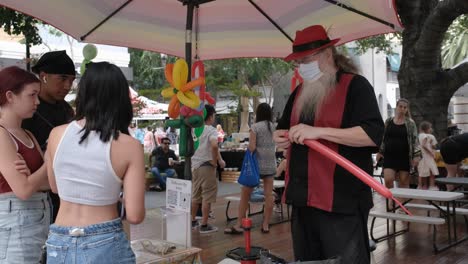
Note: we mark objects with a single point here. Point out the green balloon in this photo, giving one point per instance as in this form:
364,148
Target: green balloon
183,141
173,123
83,66
199,129
89,52
195,121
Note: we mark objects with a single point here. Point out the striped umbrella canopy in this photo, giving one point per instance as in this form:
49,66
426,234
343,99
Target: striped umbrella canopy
217,28
221,28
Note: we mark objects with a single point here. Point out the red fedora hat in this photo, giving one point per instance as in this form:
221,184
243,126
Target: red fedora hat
310,40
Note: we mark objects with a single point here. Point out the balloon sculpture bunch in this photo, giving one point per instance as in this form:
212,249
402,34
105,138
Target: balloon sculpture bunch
191,95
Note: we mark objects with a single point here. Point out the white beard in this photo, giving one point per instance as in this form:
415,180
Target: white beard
313,95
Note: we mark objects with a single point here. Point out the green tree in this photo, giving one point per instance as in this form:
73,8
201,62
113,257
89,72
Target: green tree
421,78
424,77
246,77
14,23
148,72
455,47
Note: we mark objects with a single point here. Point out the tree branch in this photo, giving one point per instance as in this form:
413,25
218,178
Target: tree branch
457,77
433,32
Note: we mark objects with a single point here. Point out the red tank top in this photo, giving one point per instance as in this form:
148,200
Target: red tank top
32,156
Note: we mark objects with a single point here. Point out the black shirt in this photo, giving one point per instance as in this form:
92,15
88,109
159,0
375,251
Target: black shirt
349,192
46,118
161,160
396,141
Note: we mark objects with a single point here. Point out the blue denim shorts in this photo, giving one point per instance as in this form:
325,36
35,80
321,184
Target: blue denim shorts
99,243
24,225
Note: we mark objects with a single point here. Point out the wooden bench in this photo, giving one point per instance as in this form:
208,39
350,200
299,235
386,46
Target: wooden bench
404,218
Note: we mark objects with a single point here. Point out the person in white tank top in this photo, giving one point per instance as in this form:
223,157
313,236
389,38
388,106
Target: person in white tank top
88,162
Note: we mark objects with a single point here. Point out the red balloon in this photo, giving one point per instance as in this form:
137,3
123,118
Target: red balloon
355,170
349,166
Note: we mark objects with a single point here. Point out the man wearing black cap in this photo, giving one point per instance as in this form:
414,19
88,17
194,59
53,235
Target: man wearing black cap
338,107
57,72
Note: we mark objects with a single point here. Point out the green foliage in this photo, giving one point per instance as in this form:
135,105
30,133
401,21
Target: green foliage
232,74
14,23
455,47
382,43
153,94
148,71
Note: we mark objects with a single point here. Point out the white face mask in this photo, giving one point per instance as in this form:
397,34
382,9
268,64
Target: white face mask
310,71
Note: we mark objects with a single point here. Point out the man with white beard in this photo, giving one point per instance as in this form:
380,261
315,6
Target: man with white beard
338,107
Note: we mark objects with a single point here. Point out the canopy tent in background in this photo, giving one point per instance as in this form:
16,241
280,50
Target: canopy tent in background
152,111
226,28
148,109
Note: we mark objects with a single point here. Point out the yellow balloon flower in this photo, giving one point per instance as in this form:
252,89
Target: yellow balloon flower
180,90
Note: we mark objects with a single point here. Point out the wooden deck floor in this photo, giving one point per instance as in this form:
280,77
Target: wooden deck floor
412,247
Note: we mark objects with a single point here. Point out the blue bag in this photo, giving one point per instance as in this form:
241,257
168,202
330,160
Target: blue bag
250,173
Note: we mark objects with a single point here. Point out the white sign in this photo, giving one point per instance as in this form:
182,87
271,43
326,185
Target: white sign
179,194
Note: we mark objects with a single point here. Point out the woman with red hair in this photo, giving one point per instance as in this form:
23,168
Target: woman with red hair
24,211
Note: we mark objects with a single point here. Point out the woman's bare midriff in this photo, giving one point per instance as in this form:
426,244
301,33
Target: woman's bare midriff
73,214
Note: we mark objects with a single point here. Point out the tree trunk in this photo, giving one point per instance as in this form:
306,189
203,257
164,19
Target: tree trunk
421,78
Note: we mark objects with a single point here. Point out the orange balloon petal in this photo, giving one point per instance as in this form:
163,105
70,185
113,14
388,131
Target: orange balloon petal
168,73
193,84
174,108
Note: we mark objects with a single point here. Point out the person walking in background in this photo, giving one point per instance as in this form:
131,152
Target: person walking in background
261,142
172,136
164,159
427,166
24,210
88,228
453,150
221,134
150,142
204,163
400,146
56,72
140,135
336,106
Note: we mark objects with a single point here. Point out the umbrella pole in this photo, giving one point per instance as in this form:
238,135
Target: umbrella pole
188,58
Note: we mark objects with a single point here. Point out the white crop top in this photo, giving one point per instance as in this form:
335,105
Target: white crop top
83,172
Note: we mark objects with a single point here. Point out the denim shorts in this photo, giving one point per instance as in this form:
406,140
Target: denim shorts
24,225
99,243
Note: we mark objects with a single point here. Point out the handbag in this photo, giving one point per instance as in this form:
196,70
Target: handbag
250,173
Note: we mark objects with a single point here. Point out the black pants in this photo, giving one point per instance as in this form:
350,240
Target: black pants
320,235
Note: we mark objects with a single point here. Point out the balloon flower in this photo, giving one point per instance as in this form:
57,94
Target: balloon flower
180,90
181,93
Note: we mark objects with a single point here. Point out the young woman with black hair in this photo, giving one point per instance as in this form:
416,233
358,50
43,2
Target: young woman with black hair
89,161
261,142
